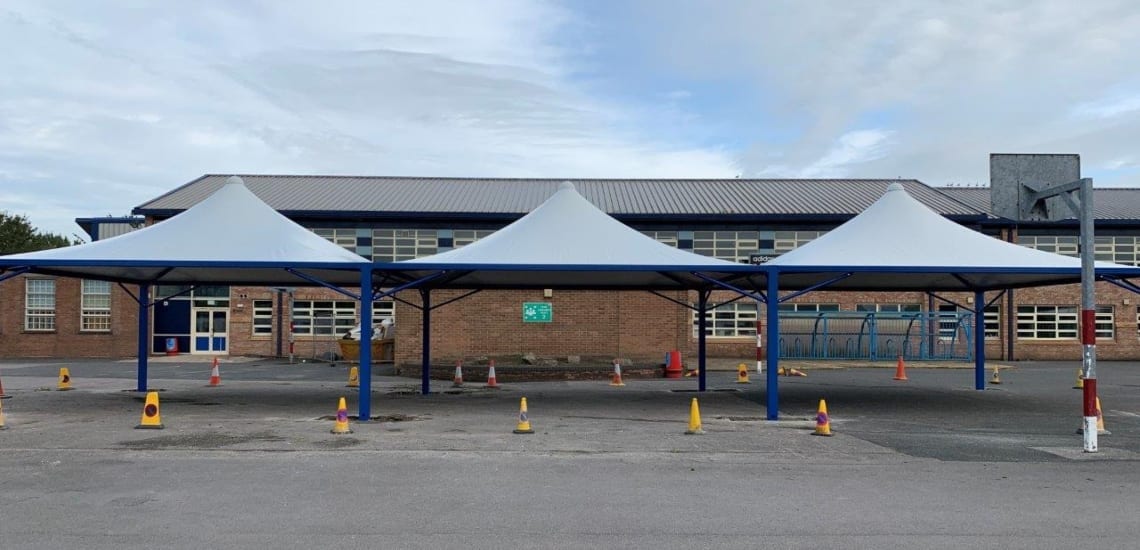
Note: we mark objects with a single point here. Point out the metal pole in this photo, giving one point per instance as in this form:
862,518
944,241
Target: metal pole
1088,315
425,382
702,323
280,319
144,335
292,329
979,340
365,402
772,387
759,341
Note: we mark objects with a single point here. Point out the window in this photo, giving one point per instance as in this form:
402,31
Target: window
813,308
262,317
734,246
39,304
345,238
786,241
323,318
889,308
1120,249
393,245
1046,322
1104,323
464,237
664,237
95,306
735,320
383,310
948,320
1066,245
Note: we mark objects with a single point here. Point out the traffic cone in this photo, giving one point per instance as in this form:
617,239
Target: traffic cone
742,374
64,380
1099,422
1080,385
822,420
995,379
458,380
215,376
900,370
341,425
524,420
2,394
782,371
694,419
3,426
151,419
353,378
491,382
615,378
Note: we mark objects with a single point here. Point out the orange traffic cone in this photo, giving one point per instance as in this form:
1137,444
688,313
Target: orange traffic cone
3,426
151,419
341,425
524,420
822,420
64,380
615,378
900,370
215,377
742,374
2,394
491,381
353,378
458,380
1099,422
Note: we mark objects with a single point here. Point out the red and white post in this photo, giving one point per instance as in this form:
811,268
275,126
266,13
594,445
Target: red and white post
1088,315
759,347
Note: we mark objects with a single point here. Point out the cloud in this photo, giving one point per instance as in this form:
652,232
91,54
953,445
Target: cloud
109,108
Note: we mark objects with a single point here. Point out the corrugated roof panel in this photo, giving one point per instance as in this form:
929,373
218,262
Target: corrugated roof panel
518,196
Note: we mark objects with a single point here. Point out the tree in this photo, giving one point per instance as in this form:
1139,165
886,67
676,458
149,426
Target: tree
17,235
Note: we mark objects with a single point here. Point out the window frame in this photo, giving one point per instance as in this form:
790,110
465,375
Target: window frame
94,318
44,311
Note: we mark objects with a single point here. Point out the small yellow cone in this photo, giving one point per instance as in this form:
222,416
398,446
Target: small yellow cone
1099,422
3,426
1080,385
822,420
341,425
694,419
995,379
524,420
64,379
353,378
742,374
151,418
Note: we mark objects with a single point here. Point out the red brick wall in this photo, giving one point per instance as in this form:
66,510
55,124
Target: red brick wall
66,340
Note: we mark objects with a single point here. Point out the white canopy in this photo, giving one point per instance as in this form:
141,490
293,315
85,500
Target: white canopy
897,243
567,242
231,237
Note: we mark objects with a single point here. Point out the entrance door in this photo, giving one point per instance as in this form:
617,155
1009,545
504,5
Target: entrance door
209,331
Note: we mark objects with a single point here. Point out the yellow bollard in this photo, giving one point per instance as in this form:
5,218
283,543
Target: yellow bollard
341,425
694,419
524,420
353,378
822,420
64,380
151,418
742,374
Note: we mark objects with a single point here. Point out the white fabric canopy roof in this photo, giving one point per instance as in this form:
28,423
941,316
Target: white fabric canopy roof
231,237
567,242
897,243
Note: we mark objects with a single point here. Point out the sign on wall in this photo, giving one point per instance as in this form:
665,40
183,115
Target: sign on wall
538,312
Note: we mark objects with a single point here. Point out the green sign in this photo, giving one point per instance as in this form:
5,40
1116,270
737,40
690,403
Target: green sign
538,312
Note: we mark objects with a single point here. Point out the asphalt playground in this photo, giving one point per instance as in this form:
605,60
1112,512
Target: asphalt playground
72,463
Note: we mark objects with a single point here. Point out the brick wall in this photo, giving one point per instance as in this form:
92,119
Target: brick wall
66,340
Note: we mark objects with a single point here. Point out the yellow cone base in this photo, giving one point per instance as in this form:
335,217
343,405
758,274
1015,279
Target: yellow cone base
523,429
150,427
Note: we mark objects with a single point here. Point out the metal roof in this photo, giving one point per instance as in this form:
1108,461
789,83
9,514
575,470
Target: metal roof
1111,203
625,197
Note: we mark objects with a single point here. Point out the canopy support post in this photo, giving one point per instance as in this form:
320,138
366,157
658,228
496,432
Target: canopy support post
979,340
364,403
773,385
14,272
144,335
702,307
425,381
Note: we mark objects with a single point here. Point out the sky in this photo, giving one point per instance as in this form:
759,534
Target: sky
104,106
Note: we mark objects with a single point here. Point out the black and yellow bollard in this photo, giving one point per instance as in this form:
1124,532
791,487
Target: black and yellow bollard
151,417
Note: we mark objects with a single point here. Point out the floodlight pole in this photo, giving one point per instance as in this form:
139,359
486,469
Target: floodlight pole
1084,212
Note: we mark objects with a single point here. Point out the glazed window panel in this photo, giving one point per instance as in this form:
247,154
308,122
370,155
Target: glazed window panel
39,305
464,237
95,306
663,237
1047,322
262,317
394,245
1104,323
948,325
734,246
1065,245
323,318
1121,249
736,320
889,308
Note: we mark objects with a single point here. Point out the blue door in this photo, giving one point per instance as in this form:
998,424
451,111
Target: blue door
210,331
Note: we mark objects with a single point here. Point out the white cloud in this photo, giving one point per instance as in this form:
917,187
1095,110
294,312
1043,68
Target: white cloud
112,107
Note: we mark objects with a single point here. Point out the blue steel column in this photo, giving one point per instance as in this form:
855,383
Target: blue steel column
702,306
364,404
979,341
144,334
773,385
425,383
